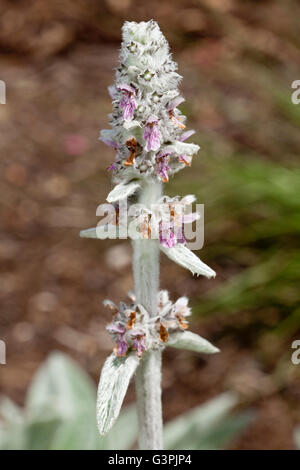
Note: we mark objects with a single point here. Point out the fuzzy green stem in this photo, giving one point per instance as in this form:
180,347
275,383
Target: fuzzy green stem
148,375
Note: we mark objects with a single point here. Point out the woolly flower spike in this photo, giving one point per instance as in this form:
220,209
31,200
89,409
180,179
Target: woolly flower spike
146,124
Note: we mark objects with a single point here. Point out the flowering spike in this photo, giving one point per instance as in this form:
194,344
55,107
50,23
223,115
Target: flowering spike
145,108
150,145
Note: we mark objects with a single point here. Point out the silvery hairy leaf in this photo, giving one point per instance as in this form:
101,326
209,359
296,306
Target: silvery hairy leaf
122,191
187,259
131,124
192,342
183,148
59,389
114,380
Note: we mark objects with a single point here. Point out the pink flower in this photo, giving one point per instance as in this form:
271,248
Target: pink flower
171,108
116,328
129,102
167,238
119,330
180,236
163,166
170,234
173,219
181,307
122,346
138,344
190,218
152,134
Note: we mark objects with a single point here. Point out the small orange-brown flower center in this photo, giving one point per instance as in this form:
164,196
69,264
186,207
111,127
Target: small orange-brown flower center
163,333
182,322
132,147
131,321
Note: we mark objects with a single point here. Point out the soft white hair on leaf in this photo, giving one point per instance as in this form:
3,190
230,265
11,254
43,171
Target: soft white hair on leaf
114,380
183,148
192,342
122,191
187,259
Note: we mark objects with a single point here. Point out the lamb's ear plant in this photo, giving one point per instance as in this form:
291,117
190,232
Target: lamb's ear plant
147,133
59,414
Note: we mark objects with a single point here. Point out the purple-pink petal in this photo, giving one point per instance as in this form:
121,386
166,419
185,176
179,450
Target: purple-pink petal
167,238
163,153
128,102
162,171
180,238
152,134
185,135
122,346
138,336
152,120
109,142
126,88
163,168
112,167
116,328
185,159
189,218
139,345
174,103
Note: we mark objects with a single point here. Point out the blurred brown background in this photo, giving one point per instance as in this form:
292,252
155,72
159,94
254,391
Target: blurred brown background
238,60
